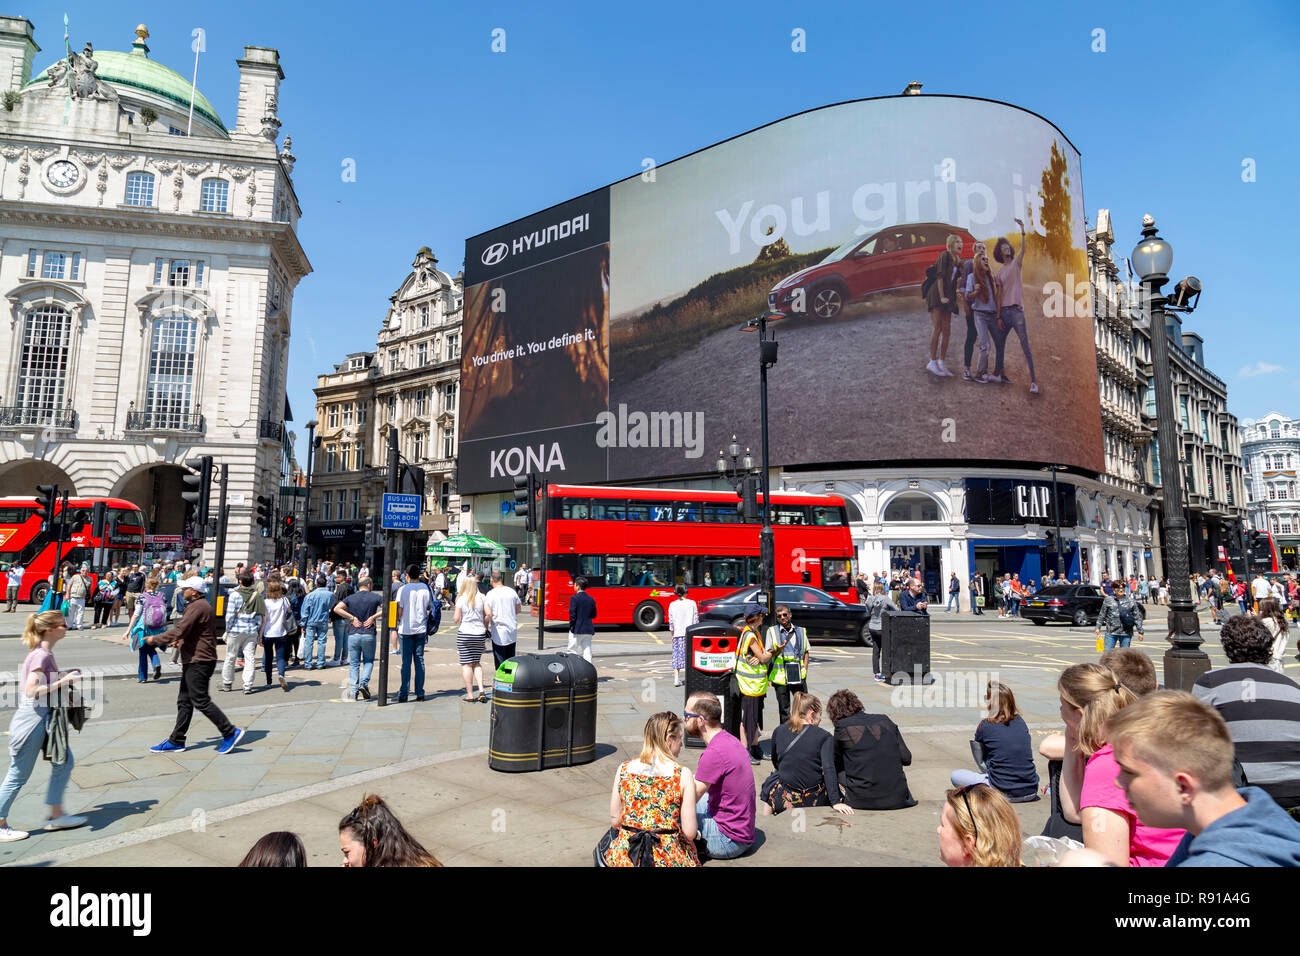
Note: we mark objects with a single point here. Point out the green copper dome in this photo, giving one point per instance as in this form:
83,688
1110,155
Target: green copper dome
136,71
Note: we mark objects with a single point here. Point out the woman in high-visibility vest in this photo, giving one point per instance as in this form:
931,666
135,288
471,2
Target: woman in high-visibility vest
751,679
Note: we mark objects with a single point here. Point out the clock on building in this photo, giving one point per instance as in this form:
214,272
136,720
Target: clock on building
62,174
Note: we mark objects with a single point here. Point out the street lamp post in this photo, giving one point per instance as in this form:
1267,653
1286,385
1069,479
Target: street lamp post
767,349
306,508
1184,662
1056,513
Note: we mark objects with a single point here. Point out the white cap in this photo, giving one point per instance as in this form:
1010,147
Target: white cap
194,584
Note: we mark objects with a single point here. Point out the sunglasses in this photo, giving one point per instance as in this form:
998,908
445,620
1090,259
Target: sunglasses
964,791
687,715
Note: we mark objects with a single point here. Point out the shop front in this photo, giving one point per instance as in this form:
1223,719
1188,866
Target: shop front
338,541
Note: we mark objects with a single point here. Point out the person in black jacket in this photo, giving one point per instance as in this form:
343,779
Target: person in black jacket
869,756
804,757
582,615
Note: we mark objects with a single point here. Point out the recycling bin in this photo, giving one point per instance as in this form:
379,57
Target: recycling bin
710,661
905,639
543,713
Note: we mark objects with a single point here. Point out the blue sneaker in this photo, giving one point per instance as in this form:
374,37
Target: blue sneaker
228,743
166,747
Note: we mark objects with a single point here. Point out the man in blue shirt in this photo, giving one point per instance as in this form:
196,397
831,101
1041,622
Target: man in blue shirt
314,616
1175,758
913,598
582,616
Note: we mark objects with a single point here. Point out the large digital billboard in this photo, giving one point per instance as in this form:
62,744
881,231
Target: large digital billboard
602,336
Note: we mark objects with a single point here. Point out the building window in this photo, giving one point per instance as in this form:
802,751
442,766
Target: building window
453,347
1286,525
361,454
912,508
424,316
331,460
334,416
33,262
169,391
345,457
326,505
139,189
449,398
361,412
444,496
392,407
43,359
55,265
421,401
178,273
392,360
176,131
347,413
356,503
214,195
448,443
1272,493
422,354
1275,430
417,446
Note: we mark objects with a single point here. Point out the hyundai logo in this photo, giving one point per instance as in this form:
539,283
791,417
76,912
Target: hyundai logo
494,253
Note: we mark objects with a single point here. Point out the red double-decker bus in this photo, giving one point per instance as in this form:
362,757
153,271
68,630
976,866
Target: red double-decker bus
634,545
23,542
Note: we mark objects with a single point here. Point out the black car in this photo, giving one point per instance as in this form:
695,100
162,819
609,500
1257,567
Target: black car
1076,604
817,612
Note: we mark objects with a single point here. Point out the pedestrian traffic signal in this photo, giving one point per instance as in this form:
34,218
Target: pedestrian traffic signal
98,515
200,480
526,487
46,495
264,513
288,523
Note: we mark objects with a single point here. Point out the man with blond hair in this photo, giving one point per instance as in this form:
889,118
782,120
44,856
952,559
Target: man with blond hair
1175,758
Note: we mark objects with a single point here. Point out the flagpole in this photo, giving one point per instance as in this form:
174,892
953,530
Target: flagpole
67,103
189,126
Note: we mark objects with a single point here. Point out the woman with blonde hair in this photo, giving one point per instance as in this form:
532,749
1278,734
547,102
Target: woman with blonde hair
148,619
472,619
941,301
1090,695
652,805
803,758
40,679
979,827
1273,618
275,634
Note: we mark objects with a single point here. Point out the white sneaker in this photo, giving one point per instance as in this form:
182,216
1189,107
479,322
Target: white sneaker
1033,388
65,822
943,369
9,835
933,368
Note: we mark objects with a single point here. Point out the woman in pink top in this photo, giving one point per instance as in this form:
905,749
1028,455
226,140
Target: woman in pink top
1011,304
1090,695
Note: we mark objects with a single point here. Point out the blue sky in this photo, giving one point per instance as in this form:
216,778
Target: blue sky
451,139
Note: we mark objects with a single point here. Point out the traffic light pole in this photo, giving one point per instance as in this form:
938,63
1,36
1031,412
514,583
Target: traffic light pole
394,487
541,580
223,519
58,541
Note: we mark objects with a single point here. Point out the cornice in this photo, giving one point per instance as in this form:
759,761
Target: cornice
279,235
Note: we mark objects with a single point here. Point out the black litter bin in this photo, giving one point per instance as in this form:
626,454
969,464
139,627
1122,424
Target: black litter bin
905,636
710,661
543,713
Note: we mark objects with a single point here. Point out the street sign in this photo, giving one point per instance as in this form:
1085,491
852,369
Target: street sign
236,499
400,513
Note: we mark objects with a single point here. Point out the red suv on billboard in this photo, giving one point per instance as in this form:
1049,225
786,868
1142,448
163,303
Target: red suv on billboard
893,258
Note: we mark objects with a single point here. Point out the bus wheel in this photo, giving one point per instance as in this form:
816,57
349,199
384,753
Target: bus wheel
38,591
649,616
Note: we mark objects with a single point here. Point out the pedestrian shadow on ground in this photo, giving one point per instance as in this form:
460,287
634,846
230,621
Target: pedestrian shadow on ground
760,838
106,814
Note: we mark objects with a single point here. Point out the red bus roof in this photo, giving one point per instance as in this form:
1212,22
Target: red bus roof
686,494
79,502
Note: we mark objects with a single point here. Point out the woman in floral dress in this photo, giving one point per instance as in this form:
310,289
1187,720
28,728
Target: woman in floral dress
656,827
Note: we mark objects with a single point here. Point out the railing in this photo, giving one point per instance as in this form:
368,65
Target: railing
16,415
163,421
270,429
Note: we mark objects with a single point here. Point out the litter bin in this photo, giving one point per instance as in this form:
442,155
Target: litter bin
543,713
710,661
905,636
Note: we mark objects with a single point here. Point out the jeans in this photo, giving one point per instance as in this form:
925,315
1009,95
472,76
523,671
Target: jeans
967,778
102,608
412,649
194,696
984,321
279,648
148,659
315,634
340,639
783,693
954,598
970,336
361,657
875,650
1013,316
1117,640
13,597
502,653
21,765
239,645
721,846
76,613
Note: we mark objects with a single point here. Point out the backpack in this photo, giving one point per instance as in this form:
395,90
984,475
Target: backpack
931,276
1127,614
154,613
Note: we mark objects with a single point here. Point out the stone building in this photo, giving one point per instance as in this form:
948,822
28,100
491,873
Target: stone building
1271,448
149,260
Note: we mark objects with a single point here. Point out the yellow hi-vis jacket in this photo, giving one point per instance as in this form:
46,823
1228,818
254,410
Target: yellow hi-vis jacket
751,675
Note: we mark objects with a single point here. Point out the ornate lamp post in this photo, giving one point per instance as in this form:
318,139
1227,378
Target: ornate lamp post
1152,257
312,441
767,349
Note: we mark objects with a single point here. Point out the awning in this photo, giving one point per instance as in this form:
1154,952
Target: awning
465,546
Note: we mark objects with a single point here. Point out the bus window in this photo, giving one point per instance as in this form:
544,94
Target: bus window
15,515
591,566
659,510
753,571
789,514
609,510
688,511
835,574
686,571
615,570
724,513
652,572
824,516
580,510
724,572
638,511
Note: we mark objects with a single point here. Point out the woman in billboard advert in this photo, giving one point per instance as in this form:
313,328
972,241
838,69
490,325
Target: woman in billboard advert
1011,311
941,300
981,294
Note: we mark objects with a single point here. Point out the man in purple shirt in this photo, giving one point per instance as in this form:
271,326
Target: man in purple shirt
724,783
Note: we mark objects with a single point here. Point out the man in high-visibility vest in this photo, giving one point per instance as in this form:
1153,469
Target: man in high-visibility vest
751,677
788,645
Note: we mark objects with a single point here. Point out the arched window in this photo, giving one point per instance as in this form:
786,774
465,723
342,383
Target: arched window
912,507
169,392
214,196
139,189
1275,430
854,512
43,365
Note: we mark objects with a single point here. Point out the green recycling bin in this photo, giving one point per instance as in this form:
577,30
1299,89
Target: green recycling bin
543,713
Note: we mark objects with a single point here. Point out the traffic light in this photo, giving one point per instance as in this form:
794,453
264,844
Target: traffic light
414,476
98,515
46,494
1252,540
200,479
526,507
747,506
264,514
288,523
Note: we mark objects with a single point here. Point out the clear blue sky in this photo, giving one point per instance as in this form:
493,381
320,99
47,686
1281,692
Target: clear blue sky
451,139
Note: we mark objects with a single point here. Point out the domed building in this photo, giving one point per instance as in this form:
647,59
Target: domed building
149,259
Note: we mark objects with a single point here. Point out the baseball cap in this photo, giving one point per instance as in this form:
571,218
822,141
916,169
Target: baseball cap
752,609
194,584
